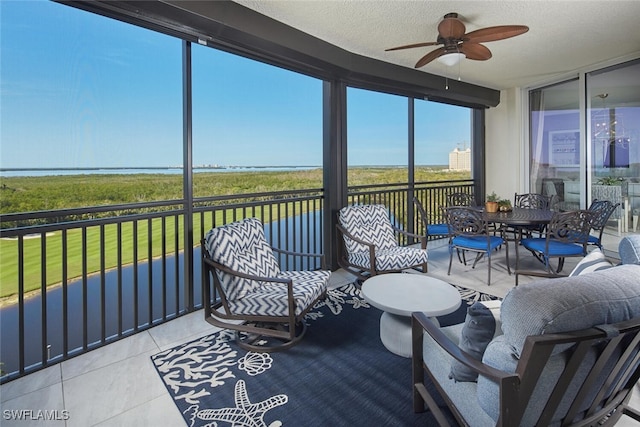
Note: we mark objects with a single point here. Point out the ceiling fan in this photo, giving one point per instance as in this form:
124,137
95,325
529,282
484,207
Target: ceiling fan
457,44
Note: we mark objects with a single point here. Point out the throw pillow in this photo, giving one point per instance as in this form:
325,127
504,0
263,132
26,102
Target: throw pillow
594,261
478,330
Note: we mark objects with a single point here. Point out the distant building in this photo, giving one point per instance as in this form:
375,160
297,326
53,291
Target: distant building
460,160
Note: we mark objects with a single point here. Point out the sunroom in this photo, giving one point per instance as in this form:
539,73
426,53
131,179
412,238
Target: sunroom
531,125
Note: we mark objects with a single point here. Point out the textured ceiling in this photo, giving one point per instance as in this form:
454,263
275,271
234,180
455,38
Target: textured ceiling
564,36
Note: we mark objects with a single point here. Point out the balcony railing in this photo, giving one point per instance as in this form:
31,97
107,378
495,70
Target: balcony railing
82,278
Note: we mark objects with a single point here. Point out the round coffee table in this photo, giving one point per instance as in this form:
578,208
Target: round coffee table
399,295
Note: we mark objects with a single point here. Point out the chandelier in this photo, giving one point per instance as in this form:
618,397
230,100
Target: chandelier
605,126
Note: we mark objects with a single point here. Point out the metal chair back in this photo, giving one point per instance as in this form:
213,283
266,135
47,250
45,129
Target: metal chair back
461,199
532,201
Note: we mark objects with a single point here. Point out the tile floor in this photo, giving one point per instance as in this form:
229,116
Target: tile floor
117,385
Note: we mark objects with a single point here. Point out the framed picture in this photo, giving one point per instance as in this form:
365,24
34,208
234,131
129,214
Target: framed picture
564,148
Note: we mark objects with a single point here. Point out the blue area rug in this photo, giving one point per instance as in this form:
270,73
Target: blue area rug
340,374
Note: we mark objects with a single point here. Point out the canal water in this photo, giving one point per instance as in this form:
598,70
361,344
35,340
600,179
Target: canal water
171,299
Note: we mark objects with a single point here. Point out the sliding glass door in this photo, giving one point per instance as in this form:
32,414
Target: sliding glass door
613,112
555,143
585,144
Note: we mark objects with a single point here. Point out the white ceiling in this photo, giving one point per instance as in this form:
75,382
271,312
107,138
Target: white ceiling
563,37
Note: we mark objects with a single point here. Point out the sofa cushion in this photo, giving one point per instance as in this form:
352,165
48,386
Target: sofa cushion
461,393
570,303
629,249
478,330
557,305
594,261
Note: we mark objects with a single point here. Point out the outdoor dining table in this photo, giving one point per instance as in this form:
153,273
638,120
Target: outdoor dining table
520,217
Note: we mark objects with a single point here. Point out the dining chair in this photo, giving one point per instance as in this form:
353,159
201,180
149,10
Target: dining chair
567,235
461,199
435,230
601,211
469,231
528,201
532,201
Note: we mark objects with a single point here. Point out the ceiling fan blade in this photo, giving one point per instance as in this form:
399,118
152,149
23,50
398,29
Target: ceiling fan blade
475,51
451,28
490,34
429,57
410,46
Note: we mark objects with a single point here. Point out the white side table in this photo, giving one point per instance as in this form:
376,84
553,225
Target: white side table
399,295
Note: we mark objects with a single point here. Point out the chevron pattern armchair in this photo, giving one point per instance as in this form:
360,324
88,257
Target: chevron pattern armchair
368,243
251,295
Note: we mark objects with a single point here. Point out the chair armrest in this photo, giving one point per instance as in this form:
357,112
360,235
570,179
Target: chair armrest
304,254
301,255
450,347
423,239
631,412
342,230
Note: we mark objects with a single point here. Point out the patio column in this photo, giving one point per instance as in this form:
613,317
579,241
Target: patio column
334,153
478,170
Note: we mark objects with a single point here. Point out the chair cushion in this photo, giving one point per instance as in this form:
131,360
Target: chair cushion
477,242
594,261
242,247
463,394
271,299
437,230
478,330
369,223
629,249
556,248
396,258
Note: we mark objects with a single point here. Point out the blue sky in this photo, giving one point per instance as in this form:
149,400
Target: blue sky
80,90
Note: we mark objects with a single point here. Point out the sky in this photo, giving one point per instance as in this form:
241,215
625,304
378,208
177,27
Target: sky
81,90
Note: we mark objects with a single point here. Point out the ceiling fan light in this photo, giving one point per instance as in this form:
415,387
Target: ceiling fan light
451,59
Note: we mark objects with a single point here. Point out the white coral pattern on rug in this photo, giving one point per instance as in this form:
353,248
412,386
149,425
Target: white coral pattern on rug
209,362
190,369
337,298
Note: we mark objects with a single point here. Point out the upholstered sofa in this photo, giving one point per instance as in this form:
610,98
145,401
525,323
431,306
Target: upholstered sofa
593,296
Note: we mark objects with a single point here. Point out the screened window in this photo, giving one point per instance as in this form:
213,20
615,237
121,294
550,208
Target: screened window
82,97
251,118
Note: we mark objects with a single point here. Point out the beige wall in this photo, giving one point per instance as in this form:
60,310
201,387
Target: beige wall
505,130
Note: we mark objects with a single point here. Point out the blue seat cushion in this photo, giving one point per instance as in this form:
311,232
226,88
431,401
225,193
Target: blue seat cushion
556,248
438,230
477,242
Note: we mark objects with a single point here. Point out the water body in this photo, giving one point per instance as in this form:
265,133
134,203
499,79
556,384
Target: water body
9,315
9,172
